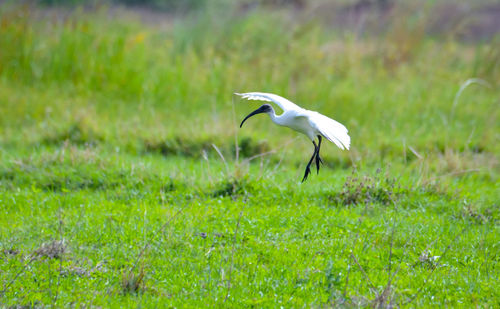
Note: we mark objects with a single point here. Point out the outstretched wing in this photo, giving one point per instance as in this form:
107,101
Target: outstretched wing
332,130
283,103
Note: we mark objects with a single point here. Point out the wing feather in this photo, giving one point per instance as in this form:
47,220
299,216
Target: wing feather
332,130
283,103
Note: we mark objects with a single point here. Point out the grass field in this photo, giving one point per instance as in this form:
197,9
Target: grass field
112,193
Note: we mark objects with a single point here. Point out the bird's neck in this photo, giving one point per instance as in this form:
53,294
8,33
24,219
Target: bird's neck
276,119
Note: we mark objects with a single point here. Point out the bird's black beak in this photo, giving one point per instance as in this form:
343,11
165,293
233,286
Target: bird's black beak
260,110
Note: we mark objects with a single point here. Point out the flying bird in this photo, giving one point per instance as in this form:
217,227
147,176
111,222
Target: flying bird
310,123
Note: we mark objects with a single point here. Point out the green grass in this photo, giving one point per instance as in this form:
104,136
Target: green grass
112,194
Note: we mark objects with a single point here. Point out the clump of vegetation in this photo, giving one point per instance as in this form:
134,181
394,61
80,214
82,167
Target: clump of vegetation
10,252
357,189
233,187
249,147
179,146
426,259
77,134
195,147
481,215
132,282
53,250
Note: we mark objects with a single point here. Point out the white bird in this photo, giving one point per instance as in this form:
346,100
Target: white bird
310,123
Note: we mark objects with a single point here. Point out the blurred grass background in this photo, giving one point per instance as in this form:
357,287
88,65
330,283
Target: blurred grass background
133,78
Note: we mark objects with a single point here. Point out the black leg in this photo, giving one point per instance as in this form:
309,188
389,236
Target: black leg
318,158
308,170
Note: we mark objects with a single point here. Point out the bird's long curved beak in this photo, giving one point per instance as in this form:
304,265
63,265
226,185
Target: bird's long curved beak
259,110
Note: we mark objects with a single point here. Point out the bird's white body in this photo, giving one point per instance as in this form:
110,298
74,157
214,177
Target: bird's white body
310,123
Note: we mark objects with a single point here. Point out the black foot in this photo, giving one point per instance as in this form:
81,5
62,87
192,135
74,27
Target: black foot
308,171
318,161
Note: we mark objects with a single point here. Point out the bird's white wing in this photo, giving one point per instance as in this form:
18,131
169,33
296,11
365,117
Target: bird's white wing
283,103
332,130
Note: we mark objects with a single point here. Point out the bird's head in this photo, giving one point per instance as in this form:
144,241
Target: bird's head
266,108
